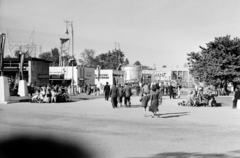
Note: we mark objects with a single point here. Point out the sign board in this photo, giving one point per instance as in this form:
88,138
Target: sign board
57,76
43,76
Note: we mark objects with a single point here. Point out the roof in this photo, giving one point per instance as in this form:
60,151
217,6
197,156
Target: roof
27,59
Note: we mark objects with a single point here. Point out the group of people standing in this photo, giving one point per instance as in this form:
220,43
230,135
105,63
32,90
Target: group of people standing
174,91
118,93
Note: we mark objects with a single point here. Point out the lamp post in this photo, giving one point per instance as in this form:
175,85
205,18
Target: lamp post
71,24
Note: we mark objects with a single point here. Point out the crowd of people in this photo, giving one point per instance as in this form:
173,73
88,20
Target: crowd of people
200,97
120,94
48,93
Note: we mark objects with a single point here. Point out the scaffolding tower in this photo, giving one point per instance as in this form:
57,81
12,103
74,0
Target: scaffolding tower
13,46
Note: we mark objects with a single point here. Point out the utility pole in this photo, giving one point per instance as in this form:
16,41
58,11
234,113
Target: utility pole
71,24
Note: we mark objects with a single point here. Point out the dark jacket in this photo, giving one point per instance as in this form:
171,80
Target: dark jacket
114,92
237,95
170,89
106,88
128,91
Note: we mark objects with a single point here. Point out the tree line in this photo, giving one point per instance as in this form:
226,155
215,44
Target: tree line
88,58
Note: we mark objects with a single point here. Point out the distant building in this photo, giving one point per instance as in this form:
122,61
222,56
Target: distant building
35,70
63,75
174,75
110,76
133,73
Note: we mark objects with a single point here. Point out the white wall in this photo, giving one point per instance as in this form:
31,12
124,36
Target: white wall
105,76
89,73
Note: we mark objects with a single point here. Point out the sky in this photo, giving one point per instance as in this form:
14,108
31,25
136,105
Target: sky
160,32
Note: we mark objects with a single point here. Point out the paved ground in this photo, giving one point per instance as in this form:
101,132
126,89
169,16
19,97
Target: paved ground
124,132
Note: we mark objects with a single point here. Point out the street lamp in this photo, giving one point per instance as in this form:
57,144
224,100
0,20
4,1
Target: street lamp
71,24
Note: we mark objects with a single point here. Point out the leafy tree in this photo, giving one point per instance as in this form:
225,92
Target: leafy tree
110,60
53,56
219,63
144,67
46,56
137,63
87,58
126,62
17,52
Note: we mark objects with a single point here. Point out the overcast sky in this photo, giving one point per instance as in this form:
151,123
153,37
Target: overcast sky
150,31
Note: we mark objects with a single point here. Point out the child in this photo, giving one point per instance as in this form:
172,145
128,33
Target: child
36,96
145,99
53,96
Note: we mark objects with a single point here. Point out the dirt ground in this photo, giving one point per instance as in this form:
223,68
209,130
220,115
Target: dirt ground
105,132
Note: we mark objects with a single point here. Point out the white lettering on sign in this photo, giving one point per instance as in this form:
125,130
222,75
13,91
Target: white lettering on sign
102,75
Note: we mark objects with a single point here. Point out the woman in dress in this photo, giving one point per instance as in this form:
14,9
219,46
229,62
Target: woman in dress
155,98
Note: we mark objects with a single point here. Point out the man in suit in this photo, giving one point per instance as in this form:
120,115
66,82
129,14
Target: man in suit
106,91
114,95
236,96
128,94
170,90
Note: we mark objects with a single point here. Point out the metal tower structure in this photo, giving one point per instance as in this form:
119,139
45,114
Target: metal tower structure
13,46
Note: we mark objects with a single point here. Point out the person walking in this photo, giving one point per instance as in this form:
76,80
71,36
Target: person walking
236,96
146,89
161,88
155,99
106,91
138,89
128,94
166,88
170,90
145,99
179,87
114,95
120,94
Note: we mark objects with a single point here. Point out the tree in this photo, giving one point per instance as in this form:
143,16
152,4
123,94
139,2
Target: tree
46,56
110,60
17,52
52,55
126,62
55,57
137,63
144,67
219,63
87,58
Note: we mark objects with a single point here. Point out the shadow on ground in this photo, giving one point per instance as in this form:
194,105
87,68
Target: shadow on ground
41,147
170,115
232,154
